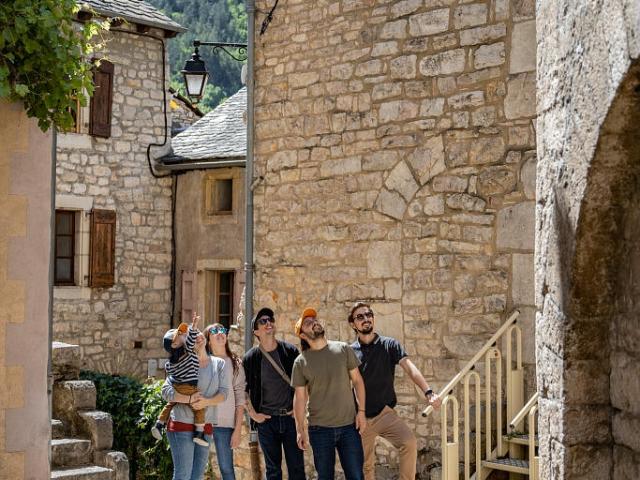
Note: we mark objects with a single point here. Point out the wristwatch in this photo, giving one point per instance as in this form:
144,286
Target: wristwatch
428,392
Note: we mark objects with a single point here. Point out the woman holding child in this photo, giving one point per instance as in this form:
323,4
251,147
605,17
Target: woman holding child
228,430
189,456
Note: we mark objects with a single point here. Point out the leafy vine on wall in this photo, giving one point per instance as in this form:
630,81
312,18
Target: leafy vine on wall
45,58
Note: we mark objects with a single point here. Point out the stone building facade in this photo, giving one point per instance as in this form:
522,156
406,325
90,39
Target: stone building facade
118,320
395,146
587,225
26,184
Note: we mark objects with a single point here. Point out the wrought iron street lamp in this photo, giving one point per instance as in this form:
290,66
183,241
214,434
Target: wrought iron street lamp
195,71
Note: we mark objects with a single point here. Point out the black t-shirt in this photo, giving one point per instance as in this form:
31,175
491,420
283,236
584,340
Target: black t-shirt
276,393
378,363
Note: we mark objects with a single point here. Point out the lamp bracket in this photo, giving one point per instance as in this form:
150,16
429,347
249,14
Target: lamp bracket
241,55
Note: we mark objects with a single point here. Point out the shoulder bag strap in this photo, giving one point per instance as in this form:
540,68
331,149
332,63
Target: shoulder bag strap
275,365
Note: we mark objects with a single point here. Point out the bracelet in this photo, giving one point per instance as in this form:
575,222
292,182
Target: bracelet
360,410
428,392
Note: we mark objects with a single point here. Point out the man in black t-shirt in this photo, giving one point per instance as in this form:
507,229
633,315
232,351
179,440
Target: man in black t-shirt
270,404
379,356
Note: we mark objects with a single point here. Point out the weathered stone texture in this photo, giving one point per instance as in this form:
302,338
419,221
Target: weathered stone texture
586,216
113,172
416,190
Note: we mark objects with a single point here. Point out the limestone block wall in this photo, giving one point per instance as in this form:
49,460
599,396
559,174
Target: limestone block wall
396,141
589,164
119,328
25,246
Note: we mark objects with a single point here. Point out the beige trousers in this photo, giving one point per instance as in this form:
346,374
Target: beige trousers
390,427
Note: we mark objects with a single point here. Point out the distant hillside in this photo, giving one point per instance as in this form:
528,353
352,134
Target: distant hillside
207,20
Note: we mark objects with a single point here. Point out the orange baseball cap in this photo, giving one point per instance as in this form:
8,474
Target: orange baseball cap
307,312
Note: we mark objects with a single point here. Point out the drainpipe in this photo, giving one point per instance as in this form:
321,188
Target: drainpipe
254,454
248,181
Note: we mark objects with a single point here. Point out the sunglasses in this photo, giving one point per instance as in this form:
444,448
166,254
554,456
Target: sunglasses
265,320
361,316
214,330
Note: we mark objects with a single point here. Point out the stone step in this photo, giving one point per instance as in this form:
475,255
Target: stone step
70,396
98,426
116,461
90,472
65,361
77,394
68,452
57,428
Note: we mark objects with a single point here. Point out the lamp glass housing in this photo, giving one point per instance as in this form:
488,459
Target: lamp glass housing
195,83
195,76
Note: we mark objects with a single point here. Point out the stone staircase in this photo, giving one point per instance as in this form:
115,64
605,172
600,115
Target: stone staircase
81,436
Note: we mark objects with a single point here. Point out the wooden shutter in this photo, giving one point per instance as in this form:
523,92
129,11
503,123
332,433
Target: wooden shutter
103,247
100,106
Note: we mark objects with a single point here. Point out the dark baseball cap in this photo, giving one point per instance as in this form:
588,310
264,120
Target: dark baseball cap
265,311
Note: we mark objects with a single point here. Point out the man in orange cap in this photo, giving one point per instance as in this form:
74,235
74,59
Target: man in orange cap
325,375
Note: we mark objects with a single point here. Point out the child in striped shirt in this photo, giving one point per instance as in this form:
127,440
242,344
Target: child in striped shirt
182,371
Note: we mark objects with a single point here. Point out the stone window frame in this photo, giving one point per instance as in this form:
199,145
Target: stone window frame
82,205
209,215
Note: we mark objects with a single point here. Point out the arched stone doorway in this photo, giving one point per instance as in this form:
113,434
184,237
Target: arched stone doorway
588,342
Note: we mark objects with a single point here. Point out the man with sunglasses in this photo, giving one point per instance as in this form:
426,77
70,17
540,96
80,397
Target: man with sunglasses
268,371
379,356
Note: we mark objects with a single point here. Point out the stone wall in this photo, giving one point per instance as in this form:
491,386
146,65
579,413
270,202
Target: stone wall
396,143
625,352
588,176
25,248
118,328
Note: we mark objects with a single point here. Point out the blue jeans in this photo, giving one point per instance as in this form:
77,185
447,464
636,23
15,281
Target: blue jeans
189,458
275,434
224,453
326,440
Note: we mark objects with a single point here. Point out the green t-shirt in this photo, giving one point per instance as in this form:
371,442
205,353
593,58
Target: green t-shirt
326,375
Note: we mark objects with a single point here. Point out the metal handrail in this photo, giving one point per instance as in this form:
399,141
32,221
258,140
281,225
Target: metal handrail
470,365
523,412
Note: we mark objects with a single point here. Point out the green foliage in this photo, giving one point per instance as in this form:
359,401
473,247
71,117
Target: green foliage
44,58
207,20
134,406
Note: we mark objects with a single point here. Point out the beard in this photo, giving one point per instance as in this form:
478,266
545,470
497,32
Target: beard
365,329
316,332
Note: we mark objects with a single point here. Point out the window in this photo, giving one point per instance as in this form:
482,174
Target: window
220,201
100,105
221,193
65,241
220,297
84,248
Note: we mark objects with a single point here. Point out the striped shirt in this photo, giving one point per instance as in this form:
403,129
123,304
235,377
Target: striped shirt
185,370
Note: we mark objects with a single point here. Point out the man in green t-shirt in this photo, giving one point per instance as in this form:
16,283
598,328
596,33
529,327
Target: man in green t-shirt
325,374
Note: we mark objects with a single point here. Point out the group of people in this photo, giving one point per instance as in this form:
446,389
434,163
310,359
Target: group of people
330,396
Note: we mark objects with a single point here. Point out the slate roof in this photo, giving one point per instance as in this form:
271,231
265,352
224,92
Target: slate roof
134,11
220,134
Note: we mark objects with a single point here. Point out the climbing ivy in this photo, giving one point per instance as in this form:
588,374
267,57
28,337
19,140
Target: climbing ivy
45,58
